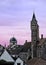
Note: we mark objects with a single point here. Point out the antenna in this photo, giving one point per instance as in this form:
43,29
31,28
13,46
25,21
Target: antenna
5,45
13,34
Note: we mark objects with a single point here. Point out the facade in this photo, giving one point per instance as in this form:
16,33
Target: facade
38,45
34,50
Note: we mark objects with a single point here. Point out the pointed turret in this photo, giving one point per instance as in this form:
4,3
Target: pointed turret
34,19
33,15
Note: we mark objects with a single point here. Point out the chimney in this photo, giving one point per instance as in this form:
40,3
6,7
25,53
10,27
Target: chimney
26,41
41,36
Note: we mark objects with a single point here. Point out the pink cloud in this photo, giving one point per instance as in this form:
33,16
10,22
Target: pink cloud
20,34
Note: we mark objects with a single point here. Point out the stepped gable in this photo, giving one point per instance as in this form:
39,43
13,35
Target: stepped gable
36,61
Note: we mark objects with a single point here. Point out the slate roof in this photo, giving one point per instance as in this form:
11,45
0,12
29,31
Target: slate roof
17,50
21,48
26,46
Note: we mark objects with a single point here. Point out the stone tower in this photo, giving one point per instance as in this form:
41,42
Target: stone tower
34,35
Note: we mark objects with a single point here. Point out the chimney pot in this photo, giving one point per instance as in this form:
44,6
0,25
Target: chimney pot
41,36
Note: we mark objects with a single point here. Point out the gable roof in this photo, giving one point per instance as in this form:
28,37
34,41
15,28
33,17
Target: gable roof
41,41
6,56
26,46
19,58
15,51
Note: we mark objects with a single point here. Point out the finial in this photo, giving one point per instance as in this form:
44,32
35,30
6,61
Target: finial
5,45
33,15
13,34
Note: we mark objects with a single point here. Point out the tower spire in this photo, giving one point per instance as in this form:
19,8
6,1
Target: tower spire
33,15
34,35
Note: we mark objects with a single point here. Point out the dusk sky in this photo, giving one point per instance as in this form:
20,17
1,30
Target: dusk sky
15,17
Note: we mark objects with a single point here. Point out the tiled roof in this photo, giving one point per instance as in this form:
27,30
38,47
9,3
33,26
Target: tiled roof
17,50
41,41
26,46
21,48
36,61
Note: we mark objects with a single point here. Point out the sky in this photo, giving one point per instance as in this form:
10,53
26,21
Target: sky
15,18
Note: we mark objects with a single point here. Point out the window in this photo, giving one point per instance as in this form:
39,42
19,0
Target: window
18,63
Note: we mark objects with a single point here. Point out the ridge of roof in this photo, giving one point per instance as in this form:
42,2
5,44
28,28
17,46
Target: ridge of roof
41,41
